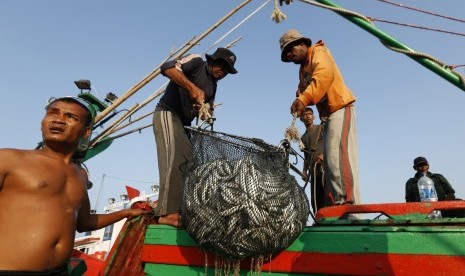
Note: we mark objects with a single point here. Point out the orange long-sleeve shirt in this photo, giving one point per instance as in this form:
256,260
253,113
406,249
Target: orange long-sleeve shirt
321,83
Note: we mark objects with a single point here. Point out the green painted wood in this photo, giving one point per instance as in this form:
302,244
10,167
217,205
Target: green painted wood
168,235
398,240
76,267
162,269
98,148
350,239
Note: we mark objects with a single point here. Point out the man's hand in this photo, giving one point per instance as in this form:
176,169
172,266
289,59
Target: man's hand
132,213
198,96
319,158
288,2
304,176
297,107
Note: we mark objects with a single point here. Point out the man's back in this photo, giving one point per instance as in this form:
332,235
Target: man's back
40,196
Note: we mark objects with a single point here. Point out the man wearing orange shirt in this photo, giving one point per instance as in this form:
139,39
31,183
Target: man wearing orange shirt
321,84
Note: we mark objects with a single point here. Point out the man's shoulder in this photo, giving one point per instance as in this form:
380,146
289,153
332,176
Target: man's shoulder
13,158
10,152
411,180
437,176
315,129
191,58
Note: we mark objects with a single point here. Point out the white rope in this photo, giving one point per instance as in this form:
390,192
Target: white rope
292,133
277,15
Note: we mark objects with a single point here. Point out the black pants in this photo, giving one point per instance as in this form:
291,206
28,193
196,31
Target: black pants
317,187
61,271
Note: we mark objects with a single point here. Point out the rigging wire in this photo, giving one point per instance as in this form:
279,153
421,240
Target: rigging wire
422,11
390,47
130,180
238,25
415,26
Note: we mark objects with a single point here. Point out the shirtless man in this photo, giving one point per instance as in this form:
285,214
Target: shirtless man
43,195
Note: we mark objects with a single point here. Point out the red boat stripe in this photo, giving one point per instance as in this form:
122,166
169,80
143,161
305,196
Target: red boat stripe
324,263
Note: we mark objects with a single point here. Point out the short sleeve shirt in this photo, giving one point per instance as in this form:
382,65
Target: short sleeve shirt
176,99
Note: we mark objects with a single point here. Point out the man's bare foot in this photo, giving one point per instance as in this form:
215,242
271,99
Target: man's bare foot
170,219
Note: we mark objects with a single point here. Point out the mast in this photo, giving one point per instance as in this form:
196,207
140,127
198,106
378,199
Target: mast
452,77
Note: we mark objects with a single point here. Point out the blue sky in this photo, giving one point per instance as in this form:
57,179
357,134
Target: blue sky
403,109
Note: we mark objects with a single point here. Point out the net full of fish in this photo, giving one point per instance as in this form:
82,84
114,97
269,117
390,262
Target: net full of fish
239,198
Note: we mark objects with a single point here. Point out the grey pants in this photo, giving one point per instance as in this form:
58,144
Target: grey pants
341,160
173,151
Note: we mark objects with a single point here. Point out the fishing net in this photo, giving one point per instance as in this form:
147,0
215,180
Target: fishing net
239,198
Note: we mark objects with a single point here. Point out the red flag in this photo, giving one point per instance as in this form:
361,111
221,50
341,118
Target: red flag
132,192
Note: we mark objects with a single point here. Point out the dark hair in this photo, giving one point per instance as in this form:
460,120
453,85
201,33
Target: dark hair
307,109
88,120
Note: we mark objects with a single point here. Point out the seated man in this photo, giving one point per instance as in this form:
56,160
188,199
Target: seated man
443,188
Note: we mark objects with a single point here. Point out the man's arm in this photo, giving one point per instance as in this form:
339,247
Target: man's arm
177,71
89,222
408,194
195,93
305,170
322,77
7,157
3,168
448,190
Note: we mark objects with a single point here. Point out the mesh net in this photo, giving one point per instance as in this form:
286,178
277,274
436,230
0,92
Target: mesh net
239,198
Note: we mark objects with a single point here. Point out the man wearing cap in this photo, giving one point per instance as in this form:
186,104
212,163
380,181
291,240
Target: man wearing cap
193,82
43,195
443,188
321,84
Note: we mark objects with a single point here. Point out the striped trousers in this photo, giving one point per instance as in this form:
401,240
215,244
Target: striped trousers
341,158
173,151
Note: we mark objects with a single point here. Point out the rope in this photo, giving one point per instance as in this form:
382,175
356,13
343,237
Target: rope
277,16
239,24
416,26
337,9
422,11
429,57
292,133
205,112
407,52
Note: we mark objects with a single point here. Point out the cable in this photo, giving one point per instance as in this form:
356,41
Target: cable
416,26
422,11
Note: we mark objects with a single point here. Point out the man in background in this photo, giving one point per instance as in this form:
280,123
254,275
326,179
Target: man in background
313,153
443,188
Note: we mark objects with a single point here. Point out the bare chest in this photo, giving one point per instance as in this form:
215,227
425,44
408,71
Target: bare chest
46,180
